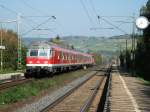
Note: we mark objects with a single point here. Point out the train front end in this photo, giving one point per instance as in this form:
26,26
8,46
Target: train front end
38,60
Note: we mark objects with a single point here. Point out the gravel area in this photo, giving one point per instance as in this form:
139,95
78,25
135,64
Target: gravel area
75,101
50,98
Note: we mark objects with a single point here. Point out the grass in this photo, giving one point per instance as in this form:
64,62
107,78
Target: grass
35,87
98,44
4,71
145,81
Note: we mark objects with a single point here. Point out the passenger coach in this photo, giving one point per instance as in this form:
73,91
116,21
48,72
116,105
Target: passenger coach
45,58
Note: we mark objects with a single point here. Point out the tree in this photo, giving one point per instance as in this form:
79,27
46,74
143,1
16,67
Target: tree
56,40
97,58
57,37
142,53
10,41
122,58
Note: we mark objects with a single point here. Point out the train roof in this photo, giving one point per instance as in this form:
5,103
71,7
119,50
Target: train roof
49,45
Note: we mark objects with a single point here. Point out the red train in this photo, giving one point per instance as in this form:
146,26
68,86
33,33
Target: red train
45,58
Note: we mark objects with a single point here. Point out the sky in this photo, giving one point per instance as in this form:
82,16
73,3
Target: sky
73,17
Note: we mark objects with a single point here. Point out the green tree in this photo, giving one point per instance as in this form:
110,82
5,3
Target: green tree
97,58
142,55
122,58
10,41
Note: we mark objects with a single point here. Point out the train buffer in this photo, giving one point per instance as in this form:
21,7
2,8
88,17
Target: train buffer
127,94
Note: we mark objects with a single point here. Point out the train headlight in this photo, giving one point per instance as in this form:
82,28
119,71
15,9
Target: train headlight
45,62
38,61
30,62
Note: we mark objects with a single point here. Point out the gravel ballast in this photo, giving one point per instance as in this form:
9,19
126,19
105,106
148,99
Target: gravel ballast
50,98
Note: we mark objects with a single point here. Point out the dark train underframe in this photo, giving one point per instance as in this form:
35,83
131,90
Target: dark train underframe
39,71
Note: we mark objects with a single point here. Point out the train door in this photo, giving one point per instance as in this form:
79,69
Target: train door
53,55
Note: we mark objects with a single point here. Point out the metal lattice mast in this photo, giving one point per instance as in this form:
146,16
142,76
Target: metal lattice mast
19,60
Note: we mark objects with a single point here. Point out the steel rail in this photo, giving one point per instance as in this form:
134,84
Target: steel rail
10,84
89,101
46,109
104,98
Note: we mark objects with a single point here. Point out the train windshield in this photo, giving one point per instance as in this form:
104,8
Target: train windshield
34,53
38,53
43,53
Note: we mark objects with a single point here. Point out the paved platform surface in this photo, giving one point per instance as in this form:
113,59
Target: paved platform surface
128,94
140,92
9,75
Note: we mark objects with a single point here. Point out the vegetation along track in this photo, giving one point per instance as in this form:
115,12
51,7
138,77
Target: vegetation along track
80,98
11,83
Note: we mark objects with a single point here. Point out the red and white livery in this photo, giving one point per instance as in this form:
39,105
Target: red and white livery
45,58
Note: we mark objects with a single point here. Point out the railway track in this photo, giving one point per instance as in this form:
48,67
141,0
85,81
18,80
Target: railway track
80,98
11,83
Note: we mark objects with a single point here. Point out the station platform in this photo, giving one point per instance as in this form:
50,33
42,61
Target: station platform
128,94
10,75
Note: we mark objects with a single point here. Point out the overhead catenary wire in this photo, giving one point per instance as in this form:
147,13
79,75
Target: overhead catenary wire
86,11
31,7
14,12
42,13
36,26
108,22
115,26
93,7
8,9
94,10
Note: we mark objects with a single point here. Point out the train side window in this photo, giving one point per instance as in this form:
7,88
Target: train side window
62,56
68,56
53,53
65,56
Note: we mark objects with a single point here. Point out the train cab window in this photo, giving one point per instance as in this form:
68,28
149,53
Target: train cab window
28,52
42,53
50,52
34,53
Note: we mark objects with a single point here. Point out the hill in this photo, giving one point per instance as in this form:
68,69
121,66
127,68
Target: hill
107,46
